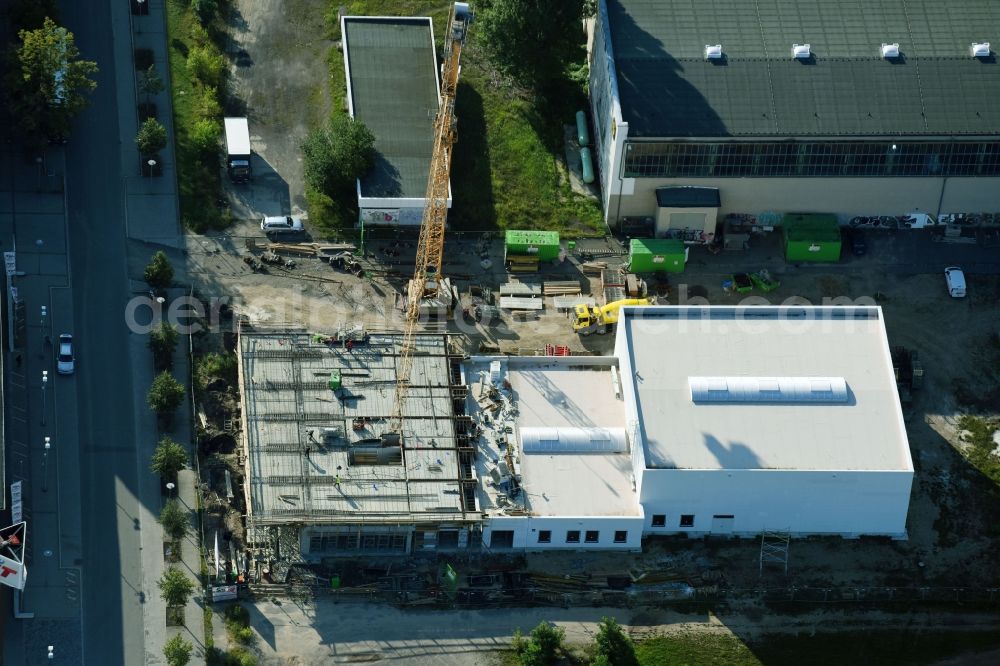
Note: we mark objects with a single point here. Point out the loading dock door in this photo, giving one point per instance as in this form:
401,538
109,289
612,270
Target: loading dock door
722,524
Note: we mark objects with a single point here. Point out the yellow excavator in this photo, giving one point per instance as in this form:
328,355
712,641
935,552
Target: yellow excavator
601,320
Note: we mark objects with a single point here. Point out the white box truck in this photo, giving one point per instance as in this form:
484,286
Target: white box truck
238,149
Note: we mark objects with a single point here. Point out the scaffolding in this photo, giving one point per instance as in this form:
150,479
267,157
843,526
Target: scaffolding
774,550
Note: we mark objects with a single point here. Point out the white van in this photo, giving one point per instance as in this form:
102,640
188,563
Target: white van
955,279
281,224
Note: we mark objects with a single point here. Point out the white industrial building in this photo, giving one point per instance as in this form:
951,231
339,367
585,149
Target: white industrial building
707,421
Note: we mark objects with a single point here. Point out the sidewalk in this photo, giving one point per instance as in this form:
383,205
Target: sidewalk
151,216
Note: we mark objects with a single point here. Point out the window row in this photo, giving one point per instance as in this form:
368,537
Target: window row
589,536
800,159
660,520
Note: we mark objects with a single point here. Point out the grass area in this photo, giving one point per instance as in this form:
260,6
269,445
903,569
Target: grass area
700,649
508,161
980,448
199,184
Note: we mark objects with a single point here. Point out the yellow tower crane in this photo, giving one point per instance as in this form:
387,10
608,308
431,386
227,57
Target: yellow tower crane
427,277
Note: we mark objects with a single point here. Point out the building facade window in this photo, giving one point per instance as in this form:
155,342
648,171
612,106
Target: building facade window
621,536
800,159
687,520
659,520
592,536
544,536
573,536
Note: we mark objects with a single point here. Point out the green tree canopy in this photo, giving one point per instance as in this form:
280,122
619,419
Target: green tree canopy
152,137
159,273
338,154
614,645
532,41
177,651
150,82
165,395
163,342
169,457
174,519
175,587
542,646
49,82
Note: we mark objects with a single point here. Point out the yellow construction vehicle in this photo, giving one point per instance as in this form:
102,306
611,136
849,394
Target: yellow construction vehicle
601,320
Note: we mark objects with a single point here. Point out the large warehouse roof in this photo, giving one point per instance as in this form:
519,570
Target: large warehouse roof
846,88
765,388
393,88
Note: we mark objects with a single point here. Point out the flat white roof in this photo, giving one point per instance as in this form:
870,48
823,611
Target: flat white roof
575,396
671,348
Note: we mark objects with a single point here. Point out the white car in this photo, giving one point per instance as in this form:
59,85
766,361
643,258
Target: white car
955,279
65,363
281,224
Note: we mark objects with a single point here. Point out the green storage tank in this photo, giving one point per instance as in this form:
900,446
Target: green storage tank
543,244
582,132
811,237
335,381
586,166
649,255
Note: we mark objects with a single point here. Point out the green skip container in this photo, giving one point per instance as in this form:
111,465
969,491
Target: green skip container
651,255
542,244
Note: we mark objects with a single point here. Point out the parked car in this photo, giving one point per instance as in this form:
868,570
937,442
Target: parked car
281,224
65,363
856,241
955,279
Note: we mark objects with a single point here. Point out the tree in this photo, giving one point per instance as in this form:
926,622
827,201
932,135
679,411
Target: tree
150,82
177,651
165,395
204,137
206,65
205,10
159,273
175,587
541,647
152,137
174,520
48,82
338,154
163,342
614,645
531,40
169,457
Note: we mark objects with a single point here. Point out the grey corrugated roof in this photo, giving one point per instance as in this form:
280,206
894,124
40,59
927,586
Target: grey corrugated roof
394,91
667,87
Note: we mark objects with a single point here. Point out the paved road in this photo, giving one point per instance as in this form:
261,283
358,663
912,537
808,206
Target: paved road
112,608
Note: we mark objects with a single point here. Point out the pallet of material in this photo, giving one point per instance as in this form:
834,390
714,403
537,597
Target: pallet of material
304,250
520,289
522,263
593,267
612,277
521,303
566,303
561,288
612,294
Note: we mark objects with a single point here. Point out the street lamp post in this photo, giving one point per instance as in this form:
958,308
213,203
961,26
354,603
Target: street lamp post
39,161
170,489
152,165
45,312
45,465
45,382
51,652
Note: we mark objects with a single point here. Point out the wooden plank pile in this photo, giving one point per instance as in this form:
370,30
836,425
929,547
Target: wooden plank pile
561,288
522,263
520,289
593,268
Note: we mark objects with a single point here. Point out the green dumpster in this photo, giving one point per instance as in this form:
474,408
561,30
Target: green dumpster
811,237
651,255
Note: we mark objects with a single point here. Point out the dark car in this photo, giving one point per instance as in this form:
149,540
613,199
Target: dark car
855,239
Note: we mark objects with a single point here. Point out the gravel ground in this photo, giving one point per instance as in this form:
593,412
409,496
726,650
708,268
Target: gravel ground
279,78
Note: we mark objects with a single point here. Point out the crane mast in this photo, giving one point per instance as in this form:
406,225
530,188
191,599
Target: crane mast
427,277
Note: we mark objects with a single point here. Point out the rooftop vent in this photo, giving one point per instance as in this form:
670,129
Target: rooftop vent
979,50
714,51
828,390
801,51
890,50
